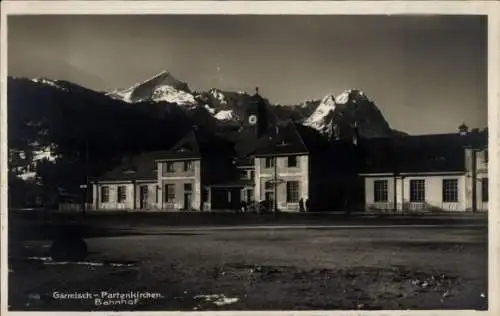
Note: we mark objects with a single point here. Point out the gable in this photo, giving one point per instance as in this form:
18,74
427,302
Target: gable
284,139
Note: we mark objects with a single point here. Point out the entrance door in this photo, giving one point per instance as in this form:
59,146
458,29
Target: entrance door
249,195
143,197
270,200
187,196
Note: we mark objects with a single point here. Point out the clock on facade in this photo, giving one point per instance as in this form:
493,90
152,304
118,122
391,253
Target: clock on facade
252,119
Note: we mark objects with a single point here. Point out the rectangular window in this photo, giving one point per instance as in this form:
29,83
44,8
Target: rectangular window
270,162
292,191
168,167
417,190
292,161
121,194
484,190
169,192
252,174
157,196
380,192
104,194
188,187
187,165
450,190
486,156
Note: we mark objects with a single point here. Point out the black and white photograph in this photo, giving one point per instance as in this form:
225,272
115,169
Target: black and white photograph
246,162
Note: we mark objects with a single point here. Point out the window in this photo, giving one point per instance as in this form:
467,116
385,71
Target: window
450,190
243,174
270,162
380,191
168,167
188,187
121,194
417,190
292,191
252,174
104,194
484,190
486,156
269,193
157,196
283,143
187,165
292,161
169,192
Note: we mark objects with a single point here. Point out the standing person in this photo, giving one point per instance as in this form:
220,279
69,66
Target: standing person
301,205
308,205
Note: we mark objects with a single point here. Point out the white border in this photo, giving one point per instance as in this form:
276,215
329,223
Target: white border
490,8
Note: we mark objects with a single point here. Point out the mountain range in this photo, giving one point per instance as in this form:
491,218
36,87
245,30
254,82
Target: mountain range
329,115
56,122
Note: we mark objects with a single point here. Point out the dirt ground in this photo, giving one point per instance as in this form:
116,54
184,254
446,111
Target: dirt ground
245,269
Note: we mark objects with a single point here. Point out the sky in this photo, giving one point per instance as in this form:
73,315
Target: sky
427,74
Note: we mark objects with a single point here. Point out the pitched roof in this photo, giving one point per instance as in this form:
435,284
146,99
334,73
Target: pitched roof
194,145
422,153
139,167
285,139
198,143
186,147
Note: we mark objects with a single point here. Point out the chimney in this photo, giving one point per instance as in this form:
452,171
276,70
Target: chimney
256,90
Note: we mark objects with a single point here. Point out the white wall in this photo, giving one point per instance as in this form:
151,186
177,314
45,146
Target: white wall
179,178
128,203
284,173
433,193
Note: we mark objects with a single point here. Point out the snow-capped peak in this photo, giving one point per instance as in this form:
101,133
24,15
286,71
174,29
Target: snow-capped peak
319,117
348,95
49,82
218,95
162,87
328,102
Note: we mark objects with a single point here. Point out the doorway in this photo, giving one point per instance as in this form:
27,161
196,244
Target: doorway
188,193
143,196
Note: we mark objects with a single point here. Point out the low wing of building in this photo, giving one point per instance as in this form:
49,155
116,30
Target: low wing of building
445,172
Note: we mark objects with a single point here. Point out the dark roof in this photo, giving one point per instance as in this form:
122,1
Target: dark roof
198,143
244,161
140,167
187,147
285,139
422,153
194,145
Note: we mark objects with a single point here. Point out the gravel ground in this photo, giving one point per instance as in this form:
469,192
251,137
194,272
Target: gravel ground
288,269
